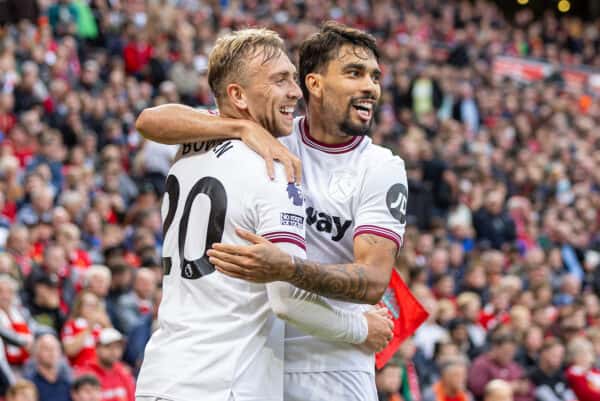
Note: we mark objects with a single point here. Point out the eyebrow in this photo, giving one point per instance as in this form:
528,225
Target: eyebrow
360,66
283,74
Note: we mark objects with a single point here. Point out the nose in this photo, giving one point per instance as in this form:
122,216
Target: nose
295,91
371,86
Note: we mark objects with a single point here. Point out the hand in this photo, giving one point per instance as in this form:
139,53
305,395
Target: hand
522,387
29,341
262,142
261,262
380,329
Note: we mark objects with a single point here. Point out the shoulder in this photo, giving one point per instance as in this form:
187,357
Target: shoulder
575,371
291,140
377,157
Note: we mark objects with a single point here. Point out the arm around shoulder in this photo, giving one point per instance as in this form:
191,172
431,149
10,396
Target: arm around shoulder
176,123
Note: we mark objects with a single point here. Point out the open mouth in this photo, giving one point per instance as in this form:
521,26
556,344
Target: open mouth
287,111
364,109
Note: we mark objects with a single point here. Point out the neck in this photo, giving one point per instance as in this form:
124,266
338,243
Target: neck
323,131
451,392
49,373
546,369
228,111
105,365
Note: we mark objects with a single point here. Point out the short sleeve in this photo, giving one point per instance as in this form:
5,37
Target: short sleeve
382,202
279,214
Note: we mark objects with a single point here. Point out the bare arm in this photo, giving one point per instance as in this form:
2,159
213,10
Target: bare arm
363,281
174,124
74,344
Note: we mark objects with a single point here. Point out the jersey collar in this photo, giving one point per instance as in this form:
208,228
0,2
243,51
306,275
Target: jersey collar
326,147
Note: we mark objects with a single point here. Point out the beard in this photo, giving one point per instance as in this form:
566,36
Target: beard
352,129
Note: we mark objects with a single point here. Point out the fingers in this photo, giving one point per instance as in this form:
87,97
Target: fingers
289,169
270,167
227,257
231,249
251,237
228,269
381,311
297,170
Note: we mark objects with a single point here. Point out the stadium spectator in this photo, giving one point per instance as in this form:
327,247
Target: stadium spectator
582,376
48,369
116,381
22,390
498,363
14,320
86,387
452,384
498,390
45,303
82,330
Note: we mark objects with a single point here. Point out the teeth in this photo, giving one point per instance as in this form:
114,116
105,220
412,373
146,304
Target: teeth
287,110
364,105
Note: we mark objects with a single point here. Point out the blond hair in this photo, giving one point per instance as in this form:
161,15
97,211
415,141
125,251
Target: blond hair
498,386
19,387
232,53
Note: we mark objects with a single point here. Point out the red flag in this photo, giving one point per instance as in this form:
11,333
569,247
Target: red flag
407,313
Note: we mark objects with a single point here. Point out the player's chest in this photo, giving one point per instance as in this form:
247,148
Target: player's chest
331,198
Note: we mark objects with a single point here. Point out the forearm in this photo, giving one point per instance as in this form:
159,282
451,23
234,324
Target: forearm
12,337
313,315
345,282
175,123
74,344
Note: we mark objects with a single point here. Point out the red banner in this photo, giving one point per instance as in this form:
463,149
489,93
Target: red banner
407,313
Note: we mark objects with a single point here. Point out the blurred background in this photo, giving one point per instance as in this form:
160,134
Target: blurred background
492,105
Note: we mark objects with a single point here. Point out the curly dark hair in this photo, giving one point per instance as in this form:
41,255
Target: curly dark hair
318,50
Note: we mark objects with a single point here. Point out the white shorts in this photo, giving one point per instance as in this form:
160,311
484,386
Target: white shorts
329,386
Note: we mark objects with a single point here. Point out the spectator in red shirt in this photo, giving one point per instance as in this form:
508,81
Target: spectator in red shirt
582,376
498,363
68,236
82,330
137,53
13,320
115,378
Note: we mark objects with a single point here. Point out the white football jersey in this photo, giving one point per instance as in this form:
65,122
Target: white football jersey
217,335
350,189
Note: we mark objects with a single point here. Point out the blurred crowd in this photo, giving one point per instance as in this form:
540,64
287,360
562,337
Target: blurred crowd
503,240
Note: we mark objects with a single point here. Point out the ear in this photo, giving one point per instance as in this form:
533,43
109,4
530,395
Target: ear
237,96
314,84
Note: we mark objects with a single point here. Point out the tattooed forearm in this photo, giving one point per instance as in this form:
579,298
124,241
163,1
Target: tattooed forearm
343,282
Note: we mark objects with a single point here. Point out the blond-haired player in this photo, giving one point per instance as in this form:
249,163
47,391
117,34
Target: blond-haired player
219,338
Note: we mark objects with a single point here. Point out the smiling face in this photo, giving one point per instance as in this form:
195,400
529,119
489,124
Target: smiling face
271,93
252,78
350,90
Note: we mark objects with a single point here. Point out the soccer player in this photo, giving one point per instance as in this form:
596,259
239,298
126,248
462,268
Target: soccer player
218,338
356,196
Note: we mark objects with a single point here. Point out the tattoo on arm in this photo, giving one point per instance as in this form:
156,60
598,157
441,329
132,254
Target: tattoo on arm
343,282
377,240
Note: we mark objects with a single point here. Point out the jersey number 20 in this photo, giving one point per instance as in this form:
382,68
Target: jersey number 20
211,187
